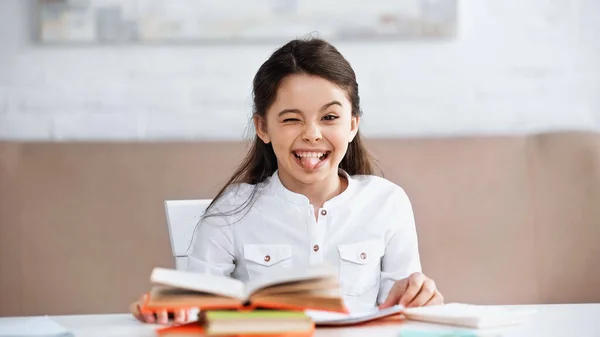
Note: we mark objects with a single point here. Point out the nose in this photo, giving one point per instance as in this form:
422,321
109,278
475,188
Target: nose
311,132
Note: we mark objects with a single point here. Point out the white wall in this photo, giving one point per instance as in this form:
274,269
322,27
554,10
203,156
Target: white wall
516,66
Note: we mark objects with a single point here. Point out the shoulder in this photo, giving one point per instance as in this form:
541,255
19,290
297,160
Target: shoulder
390,198
378,186
236,200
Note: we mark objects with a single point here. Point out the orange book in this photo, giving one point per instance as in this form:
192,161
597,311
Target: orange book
315,288
191,329
196,329
254,323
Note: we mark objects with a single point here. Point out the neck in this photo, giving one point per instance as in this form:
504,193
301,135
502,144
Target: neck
317,193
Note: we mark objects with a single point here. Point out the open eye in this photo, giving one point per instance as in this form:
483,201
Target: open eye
330,117
288,120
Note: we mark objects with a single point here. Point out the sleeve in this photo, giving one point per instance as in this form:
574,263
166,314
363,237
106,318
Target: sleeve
401,257
212,247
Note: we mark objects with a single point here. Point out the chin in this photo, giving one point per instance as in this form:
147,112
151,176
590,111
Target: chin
310,179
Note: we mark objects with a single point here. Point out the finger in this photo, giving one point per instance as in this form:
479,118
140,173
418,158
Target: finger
144,316
136,310
437,299
394,295
415,281
425,294
162,317
181,316
149,318
193,313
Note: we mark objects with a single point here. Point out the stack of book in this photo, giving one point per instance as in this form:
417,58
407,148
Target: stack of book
274,306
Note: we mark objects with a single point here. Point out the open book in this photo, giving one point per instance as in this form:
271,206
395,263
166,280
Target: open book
316,288
456,314
325,318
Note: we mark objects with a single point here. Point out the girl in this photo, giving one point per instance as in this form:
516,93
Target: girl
306,193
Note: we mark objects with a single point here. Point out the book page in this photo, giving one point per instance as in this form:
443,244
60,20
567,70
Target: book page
331,318
295,275
299,287
213,284
329,301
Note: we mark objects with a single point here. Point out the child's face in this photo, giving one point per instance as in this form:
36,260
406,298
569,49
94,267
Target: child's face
309,125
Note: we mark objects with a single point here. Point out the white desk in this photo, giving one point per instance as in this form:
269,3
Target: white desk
581,320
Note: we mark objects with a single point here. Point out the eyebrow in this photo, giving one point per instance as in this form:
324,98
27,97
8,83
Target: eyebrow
284,111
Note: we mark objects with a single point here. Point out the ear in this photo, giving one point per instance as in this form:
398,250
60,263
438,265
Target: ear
261,129
353,127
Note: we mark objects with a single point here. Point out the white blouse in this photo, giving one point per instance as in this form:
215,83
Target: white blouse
367,233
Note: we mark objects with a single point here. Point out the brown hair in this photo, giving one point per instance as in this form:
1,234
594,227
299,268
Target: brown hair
312,57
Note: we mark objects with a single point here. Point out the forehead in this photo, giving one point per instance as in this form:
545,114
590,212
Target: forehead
308,93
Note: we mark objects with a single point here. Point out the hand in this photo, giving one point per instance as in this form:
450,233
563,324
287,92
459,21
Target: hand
161,316
414,291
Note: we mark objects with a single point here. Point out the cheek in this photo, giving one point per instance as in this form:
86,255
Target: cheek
339,140
282,140
340,144
339,137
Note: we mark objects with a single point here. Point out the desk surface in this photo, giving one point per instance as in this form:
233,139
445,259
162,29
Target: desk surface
551,320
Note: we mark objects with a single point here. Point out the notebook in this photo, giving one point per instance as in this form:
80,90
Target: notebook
470,315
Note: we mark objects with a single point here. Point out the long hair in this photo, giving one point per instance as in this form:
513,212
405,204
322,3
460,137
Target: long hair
312,57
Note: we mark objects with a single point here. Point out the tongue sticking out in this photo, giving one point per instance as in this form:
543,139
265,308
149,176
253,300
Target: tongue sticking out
309,162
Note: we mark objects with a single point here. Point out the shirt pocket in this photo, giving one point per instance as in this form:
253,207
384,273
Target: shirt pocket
360,266
262,260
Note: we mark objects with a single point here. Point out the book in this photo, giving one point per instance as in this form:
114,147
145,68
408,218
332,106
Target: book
454,314
325,318
193,329
190,329
272,323
314,288
223,323
470,315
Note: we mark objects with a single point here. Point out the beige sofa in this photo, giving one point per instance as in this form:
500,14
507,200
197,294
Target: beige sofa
511,219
